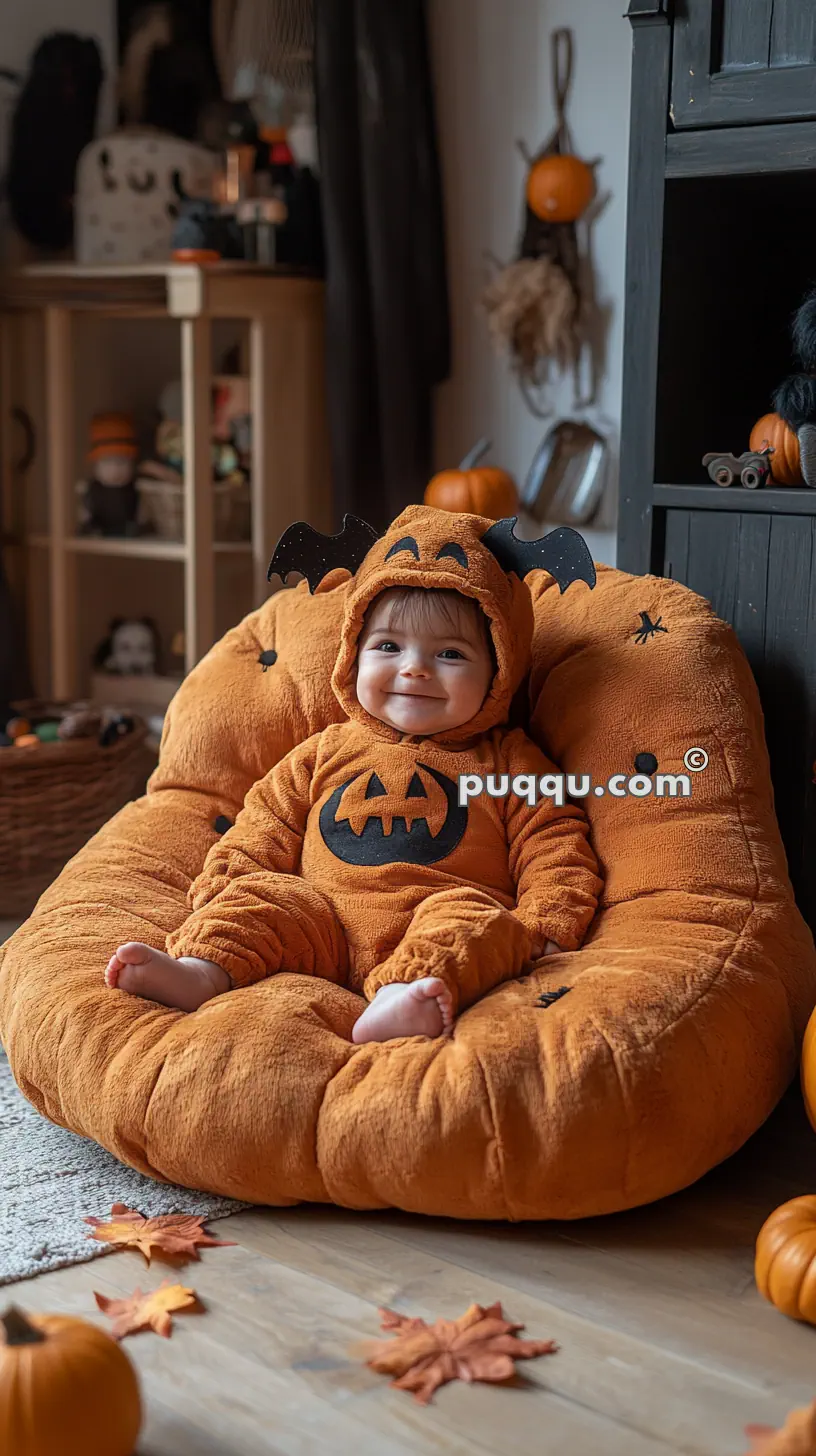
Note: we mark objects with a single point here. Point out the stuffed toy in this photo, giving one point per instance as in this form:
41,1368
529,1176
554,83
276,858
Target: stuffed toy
111,496
360,835
791,431
131,646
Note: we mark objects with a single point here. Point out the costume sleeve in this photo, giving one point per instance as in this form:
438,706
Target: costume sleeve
551,860
250,912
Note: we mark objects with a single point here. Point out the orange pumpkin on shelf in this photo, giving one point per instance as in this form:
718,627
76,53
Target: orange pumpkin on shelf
559,187
483,490
772,430
65,1386
785,1265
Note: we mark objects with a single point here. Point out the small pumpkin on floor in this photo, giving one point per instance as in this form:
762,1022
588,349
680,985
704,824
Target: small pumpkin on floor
65,1386
785,1266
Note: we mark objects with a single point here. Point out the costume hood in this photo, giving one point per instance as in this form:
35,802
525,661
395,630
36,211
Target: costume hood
448,551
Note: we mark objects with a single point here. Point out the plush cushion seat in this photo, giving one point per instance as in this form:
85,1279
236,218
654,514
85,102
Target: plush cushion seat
687,1002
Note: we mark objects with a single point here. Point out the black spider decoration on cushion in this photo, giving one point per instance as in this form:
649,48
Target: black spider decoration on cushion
648,628
268,658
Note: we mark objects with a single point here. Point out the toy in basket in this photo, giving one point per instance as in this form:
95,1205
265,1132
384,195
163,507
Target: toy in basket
161,479
65,769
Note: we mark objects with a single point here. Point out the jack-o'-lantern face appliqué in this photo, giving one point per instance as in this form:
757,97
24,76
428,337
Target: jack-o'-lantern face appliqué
366,823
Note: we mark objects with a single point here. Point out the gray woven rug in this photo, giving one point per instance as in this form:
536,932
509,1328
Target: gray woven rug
51,1179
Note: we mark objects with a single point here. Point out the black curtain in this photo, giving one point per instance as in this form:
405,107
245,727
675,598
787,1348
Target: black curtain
14,679
386,292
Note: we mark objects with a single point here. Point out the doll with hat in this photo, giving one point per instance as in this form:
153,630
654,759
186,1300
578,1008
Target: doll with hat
111,496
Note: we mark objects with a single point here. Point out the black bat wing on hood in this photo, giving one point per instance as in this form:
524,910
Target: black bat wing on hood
301,548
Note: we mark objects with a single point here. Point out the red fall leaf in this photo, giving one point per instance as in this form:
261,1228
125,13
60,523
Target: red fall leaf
480,1345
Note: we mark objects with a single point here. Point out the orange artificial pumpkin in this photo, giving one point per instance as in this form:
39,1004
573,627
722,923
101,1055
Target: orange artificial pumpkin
65,1387
559,187
772,430
486,491
785,1265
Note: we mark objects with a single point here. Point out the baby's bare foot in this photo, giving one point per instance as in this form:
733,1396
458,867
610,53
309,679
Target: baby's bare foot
183,984
415,1008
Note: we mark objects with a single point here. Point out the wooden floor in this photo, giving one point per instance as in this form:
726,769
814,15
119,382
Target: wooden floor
665,1344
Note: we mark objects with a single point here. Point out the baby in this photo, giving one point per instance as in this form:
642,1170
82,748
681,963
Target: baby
354,860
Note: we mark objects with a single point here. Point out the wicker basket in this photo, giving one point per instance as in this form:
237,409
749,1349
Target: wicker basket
163,506
52,799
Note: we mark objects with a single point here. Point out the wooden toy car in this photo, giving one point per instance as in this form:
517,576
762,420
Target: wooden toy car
751,469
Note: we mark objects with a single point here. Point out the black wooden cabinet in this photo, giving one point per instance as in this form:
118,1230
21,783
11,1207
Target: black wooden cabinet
721,248
735,60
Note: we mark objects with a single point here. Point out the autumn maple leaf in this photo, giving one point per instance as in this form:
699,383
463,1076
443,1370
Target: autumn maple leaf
175,1237
480,1345
796,1438
148,1311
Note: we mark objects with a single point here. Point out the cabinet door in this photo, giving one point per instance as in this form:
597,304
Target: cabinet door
743,61
759,573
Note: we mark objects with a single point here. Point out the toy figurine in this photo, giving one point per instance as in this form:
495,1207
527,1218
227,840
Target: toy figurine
111,497
131,646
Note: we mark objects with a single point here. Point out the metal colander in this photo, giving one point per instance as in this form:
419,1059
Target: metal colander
273,37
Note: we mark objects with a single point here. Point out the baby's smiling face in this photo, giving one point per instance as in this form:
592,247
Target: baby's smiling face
424,660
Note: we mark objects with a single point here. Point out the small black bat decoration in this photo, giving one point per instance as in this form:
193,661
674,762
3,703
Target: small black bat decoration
302,548
549,998
563,553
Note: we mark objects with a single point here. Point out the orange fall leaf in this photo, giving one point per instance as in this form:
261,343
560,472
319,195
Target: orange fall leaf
480,1345
796,1438
148,1311
175,1237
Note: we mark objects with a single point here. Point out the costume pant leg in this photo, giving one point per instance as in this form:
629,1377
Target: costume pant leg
262,923
464,937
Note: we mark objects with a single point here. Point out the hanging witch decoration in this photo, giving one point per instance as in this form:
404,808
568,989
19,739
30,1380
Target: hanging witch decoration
539,306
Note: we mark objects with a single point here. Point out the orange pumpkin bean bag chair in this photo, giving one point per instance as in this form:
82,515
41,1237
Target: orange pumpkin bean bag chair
609,1076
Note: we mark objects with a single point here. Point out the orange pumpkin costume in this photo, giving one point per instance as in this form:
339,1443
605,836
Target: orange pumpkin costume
412,881
686,1004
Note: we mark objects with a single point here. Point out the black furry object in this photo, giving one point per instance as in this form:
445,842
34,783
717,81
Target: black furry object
803,332
53,122
116,728
795,400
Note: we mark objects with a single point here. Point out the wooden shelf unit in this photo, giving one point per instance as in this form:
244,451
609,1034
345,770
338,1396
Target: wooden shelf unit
284,314
721,214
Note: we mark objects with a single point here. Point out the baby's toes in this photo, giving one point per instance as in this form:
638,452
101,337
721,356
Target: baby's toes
134,953
112,970
132,979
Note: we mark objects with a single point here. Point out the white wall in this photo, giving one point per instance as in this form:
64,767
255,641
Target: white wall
491,62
